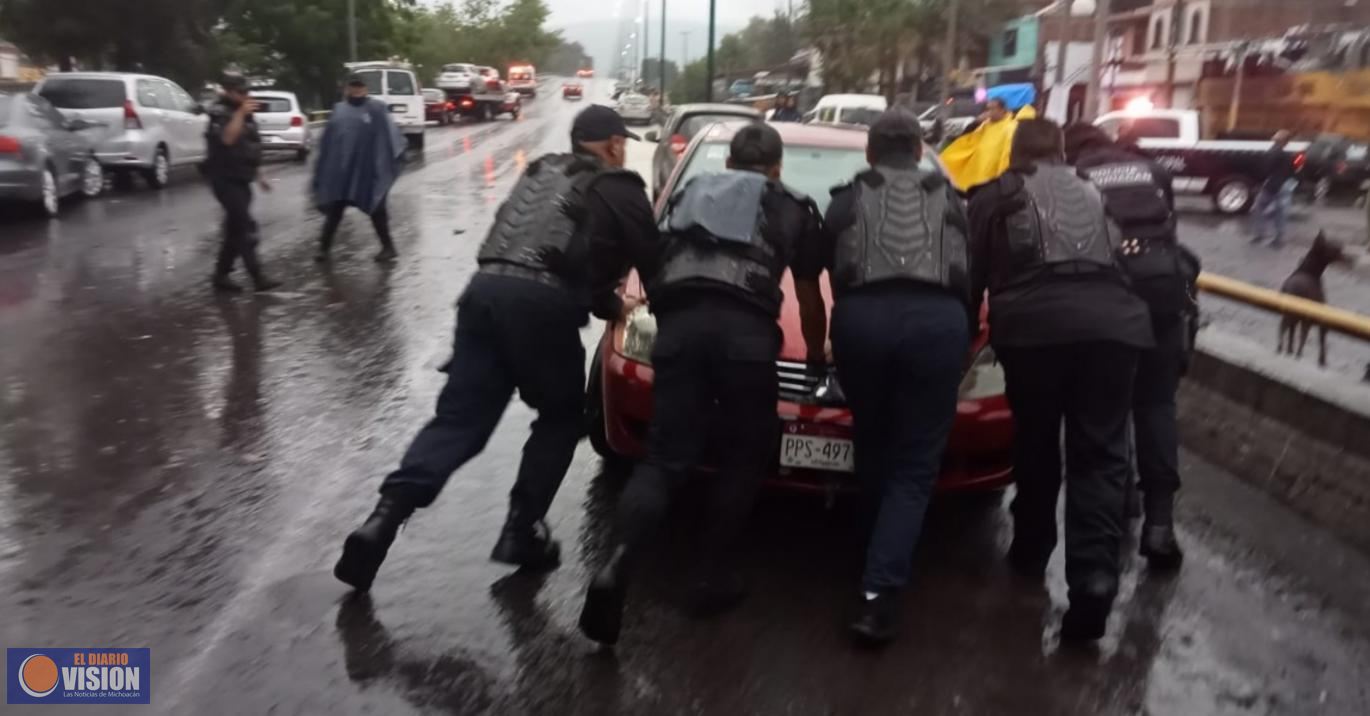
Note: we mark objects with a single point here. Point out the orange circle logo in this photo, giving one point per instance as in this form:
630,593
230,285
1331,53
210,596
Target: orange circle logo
38,676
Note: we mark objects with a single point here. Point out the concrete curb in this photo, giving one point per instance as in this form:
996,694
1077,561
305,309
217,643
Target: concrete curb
1299,433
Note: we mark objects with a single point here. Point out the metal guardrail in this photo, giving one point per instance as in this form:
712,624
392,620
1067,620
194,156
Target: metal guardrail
1336,319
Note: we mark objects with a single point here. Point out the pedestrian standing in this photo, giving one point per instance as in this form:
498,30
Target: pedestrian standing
235,153
1276,196
714,285
1139,195
1068,329
788,111
558,248
898,259
359,159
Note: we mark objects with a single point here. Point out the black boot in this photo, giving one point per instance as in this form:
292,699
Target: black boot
1159,546
387,254
366,547
1087,617
222,282
528,547
878,622
601,619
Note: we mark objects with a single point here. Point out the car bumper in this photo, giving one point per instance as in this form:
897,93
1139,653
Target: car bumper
130,149
288,139
978,455
19,182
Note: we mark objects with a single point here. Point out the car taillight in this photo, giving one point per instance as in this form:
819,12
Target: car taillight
297,121
8,145
451,105
467,102
678,144
131,120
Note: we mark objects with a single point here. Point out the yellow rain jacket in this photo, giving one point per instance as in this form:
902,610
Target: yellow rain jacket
982,155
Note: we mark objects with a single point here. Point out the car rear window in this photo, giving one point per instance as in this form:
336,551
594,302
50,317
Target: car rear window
274,105
811,170
372,78
456,68
696,122
400,83
83,93
859,115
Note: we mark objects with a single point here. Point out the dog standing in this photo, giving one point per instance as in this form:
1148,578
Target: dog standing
1306,282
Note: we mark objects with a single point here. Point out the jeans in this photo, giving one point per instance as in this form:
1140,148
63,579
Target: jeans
1089,387
900,352
380,221
239,230
1272,207
715,374
512,334
1153,415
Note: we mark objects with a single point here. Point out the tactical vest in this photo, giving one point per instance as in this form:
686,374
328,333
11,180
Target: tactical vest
901,233
1149,250
715,227
1062,227
541,224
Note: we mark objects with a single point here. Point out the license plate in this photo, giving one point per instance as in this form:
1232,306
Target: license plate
398,108
816,453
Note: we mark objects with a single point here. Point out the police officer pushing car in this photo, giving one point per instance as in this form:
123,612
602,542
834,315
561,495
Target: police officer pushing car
897,255
235,153
558,247
1140,197
1068,329
714,285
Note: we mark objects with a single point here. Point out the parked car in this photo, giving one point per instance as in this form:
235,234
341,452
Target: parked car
282,123
436,107
398,87
150,124
43,155
813,449
524,80
634,107
684,122
572,90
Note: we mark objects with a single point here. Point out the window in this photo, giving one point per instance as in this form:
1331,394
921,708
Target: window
72,93
827,114
147,94
400,83
182,97
859,115
1152,128
273,105
1196,28
1011,42
373,80
166,97
694,123
1158,34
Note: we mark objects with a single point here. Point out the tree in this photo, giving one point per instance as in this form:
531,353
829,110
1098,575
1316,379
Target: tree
651,72
689,85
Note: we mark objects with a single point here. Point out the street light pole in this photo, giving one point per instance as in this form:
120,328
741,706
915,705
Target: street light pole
684,49
1096,62
948,59
661,63
713,16
646,38
352,29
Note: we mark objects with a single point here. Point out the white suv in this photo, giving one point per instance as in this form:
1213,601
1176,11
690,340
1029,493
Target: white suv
398,87
461,76
149,123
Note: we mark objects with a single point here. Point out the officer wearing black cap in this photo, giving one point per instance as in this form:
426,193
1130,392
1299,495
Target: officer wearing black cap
1069,329
897,256
235,153
558,248
714,286
1140,196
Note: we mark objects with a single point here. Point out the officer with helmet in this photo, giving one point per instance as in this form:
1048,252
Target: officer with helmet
1069,330
713,282
897,256
558,248
1140,196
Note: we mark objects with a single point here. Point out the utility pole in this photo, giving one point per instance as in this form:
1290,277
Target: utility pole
1096,61
352,29
1063,29
713,17
661,63
1235,109
646,38
948,59
1176,28
684,49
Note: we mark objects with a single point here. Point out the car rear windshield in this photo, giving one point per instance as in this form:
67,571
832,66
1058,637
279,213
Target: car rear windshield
270,105
810,170
695,122
83,93
456,68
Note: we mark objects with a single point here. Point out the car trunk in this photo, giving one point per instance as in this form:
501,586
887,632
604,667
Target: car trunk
96,100
275,113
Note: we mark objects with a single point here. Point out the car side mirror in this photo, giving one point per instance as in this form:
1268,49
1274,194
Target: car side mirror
652,136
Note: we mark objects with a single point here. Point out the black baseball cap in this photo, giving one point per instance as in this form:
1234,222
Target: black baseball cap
757,145
233,82
897,125
598,123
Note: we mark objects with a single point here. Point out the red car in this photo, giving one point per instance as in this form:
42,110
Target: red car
436,107
572,90
814,450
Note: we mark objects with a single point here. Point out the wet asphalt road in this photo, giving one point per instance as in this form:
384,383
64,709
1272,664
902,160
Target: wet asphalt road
177,471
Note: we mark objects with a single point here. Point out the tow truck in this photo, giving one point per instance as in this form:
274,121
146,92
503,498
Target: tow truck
475,97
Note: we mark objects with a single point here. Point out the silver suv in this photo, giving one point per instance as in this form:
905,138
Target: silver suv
149,123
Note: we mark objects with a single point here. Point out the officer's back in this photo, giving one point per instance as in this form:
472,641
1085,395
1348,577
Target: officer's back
240,160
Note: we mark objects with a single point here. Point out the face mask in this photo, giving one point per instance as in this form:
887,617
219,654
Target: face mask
356,101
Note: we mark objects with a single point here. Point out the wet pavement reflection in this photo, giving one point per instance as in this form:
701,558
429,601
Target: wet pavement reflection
177,471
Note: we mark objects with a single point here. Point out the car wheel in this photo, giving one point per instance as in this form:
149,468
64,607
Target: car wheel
1234,195
594,414
160,173
50,199
92,178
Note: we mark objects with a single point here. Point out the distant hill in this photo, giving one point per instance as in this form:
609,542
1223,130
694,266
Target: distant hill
600,39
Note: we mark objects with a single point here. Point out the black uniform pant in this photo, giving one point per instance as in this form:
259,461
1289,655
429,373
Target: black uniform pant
380,220
512,334
239,230
900,351
715,374
1089,387
1153,415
